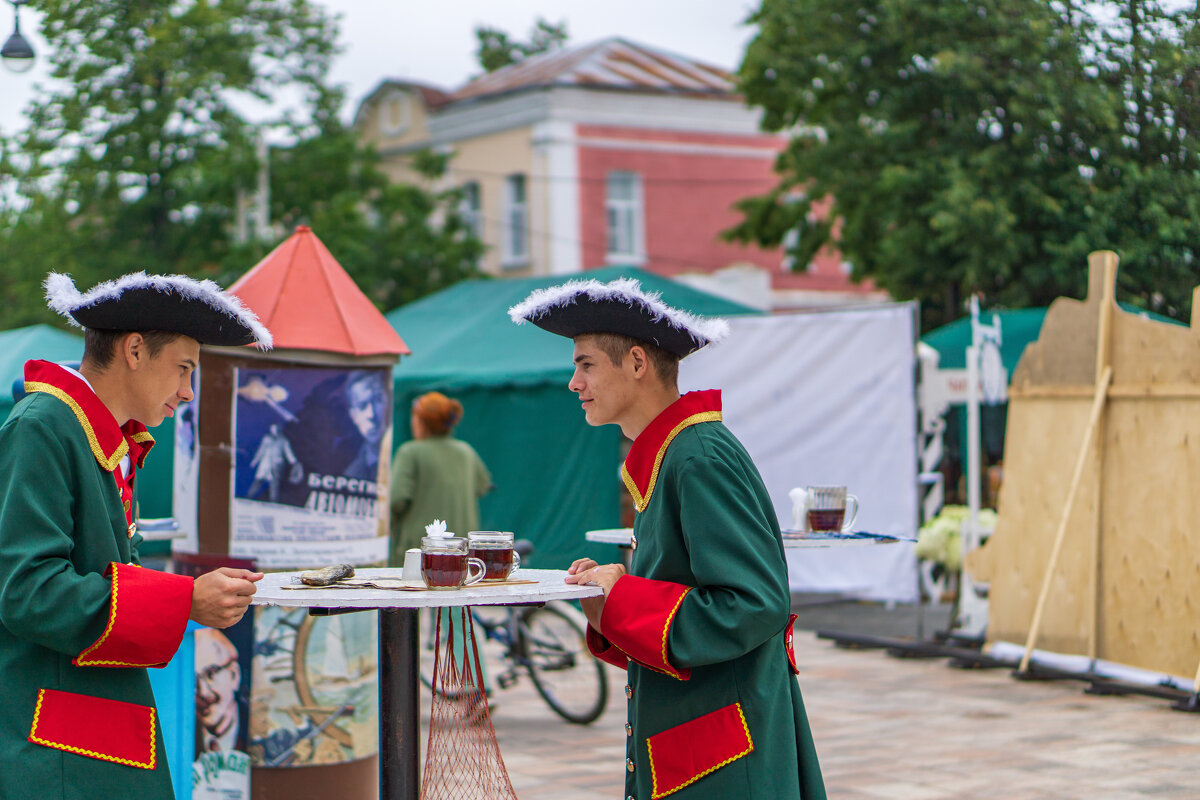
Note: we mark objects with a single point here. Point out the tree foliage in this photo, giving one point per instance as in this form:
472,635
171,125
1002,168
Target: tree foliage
982,147
496,49
135,156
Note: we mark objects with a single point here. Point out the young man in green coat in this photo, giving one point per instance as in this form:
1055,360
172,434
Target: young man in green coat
80,620
702,620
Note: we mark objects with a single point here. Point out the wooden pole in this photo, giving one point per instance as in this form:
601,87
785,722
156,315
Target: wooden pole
1076,479
1105,260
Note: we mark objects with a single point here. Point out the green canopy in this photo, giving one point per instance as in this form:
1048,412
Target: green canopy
555,476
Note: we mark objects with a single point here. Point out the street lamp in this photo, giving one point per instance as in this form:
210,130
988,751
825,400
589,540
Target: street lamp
17,53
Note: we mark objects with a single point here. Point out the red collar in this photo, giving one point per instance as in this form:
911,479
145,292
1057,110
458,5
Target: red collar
640,470
109,442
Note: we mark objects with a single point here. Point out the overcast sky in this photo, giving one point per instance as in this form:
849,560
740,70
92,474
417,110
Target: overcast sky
432,41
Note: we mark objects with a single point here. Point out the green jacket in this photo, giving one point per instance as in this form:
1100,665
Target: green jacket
702,623
79,621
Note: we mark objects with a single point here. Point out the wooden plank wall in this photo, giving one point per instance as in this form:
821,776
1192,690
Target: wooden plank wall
1141,486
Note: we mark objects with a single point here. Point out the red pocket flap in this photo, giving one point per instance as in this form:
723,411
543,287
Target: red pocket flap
109,730
682,755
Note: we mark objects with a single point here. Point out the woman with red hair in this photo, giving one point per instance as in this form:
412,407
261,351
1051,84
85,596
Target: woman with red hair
434,476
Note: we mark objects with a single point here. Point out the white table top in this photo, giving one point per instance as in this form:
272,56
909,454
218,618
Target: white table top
792,540
549,586
611,536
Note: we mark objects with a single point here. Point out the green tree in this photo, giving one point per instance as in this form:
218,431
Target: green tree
135,159
495,49
399,241
1148,179
970,146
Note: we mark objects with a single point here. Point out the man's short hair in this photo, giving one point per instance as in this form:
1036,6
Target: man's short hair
99,346
616,345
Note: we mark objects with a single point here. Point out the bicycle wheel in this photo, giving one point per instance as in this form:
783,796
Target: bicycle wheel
567,676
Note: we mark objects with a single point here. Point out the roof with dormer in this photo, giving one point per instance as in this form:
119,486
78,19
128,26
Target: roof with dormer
614,64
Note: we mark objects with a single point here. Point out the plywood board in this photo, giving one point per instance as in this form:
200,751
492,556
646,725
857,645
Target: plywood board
1142,486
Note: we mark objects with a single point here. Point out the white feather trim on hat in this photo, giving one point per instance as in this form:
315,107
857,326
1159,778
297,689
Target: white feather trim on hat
64,298
626,290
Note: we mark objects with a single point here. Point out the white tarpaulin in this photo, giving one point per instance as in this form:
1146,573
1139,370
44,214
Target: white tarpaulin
827,399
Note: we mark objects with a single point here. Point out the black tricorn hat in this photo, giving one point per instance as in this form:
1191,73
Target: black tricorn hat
579,307
174,303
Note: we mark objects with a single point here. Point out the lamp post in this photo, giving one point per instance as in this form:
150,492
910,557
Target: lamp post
17,53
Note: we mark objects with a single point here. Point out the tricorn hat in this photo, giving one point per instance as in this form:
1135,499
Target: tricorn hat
174,303
580,307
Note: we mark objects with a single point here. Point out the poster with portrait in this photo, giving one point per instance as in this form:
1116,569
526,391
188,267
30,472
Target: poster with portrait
186,482
312,446
314,697
221,770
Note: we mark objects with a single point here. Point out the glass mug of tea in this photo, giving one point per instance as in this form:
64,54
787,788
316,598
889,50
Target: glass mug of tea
495,550
827,508
445,563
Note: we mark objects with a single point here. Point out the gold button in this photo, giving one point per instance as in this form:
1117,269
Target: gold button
628,729
628,691
629,764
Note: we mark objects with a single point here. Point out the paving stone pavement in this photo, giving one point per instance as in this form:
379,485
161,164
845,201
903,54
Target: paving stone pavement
902,729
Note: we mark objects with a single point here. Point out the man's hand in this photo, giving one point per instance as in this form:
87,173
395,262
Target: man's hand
586,572
221,597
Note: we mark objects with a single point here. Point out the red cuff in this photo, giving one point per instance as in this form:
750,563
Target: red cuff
637,618
603,649
146,619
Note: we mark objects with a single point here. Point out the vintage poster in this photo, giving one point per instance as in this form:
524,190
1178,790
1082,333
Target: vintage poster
312,449
224,775
314,698
186,485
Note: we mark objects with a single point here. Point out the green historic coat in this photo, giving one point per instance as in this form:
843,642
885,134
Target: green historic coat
702,622
79,621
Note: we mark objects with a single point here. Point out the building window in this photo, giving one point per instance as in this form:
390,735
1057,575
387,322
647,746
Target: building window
791,238
515,245
471,209
395,114
623,204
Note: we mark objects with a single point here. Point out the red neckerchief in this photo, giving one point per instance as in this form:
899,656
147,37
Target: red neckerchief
640,471
109,442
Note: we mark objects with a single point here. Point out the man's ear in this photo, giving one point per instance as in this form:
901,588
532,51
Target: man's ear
133,349
641,361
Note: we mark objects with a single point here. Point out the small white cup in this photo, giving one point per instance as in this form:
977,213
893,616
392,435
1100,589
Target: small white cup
412,564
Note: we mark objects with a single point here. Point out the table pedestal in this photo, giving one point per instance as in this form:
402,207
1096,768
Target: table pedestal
400,705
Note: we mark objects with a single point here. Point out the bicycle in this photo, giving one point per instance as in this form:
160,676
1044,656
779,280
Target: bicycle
549,643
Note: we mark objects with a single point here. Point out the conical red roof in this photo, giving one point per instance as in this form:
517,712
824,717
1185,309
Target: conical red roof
308,302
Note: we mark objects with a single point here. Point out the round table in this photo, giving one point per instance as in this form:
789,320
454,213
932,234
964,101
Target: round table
399,684
623,537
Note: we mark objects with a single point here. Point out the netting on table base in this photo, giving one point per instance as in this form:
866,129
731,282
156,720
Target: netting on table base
462,760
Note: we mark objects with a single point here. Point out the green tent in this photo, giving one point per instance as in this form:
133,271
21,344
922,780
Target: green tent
51,344
555,476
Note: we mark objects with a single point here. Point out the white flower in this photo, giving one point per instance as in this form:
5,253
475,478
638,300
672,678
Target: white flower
940,539
437,528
